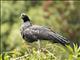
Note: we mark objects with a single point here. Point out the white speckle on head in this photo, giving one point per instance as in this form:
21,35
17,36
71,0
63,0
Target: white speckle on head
22,14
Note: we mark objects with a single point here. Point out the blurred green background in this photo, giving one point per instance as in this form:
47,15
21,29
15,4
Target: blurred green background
61,16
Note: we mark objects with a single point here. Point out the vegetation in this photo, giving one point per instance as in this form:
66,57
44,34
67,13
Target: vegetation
61,16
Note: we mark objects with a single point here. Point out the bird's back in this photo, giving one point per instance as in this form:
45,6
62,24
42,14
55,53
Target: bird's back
35,32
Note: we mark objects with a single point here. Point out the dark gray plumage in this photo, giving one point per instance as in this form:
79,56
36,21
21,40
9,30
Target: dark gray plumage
33,33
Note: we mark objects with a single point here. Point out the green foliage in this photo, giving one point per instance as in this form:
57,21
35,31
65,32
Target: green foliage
32,53
62,17
74,54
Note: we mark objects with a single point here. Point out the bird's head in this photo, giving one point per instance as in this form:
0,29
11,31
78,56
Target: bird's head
25,17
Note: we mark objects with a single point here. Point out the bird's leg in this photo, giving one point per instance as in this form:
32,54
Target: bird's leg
38,46
38,42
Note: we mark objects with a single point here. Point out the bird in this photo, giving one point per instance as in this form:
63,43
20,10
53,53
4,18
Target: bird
31,32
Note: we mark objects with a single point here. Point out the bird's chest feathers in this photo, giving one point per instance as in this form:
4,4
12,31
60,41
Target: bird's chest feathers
31,32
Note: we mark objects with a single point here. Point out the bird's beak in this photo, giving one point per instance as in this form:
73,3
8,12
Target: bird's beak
22,15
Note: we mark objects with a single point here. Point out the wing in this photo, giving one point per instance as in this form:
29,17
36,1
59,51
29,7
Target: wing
36,32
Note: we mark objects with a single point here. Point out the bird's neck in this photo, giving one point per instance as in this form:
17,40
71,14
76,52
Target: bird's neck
27,23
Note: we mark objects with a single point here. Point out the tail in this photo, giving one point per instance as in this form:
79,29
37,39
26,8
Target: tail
59,39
